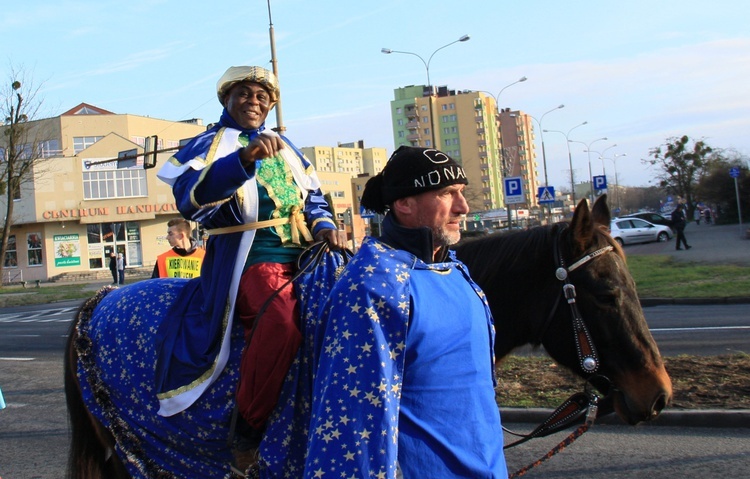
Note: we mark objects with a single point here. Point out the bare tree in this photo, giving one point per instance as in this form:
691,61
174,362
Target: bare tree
19,150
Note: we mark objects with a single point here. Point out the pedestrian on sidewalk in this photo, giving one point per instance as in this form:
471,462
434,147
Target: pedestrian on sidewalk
679,221
121,268
113,267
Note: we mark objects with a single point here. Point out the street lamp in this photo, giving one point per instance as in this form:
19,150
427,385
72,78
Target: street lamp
617,183
588,150
280,128
388,51
570,158
601,153
541,134
500,139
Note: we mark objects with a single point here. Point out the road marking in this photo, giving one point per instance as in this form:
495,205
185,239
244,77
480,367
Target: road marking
706,328
44,316
17,359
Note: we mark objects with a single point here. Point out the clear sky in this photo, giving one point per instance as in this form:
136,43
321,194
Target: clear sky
637,71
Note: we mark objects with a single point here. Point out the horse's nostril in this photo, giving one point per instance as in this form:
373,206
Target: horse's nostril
659,404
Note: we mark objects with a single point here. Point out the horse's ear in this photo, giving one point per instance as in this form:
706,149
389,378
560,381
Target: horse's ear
601,213
582,226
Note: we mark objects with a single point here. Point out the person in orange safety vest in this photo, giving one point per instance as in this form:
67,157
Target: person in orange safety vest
184,260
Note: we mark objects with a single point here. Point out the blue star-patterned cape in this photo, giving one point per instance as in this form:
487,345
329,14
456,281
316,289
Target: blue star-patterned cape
339,412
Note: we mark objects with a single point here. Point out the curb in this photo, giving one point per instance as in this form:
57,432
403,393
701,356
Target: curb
646,302
720,418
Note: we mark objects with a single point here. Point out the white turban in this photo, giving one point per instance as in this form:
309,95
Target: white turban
257,75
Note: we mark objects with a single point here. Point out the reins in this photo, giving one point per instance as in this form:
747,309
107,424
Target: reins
587,401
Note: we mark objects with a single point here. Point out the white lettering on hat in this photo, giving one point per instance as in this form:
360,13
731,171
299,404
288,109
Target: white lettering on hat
436,156
434,178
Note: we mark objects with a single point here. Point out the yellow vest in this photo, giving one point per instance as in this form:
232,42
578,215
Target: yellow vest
172,265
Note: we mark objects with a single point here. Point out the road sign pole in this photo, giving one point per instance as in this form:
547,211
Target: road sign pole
739,210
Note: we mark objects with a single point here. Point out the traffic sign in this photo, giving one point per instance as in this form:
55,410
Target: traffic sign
513,190
600,182
365,213
546,194
734,172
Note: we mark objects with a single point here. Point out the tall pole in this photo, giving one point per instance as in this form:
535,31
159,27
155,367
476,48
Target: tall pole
280,128
541,134
588,150
570,158
501,152
388,51
617,182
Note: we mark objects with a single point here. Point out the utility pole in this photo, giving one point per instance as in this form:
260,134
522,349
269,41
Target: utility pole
280,128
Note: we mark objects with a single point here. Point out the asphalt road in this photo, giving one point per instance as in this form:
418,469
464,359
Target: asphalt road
34,429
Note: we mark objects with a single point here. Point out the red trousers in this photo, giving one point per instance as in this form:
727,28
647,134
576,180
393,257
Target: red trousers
274,342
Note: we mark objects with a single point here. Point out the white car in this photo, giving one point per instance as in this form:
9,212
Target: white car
636,230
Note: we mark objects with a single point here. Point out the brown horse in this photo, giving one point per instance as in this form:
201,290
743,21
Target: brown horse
520,273
116,433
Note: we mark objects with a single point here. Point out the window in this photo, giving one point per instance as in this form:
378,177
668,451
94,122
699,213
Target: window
425,119
125,183
400,122
11,255
80,143
49,148
426,131
34,245
444,107
401,134
447,142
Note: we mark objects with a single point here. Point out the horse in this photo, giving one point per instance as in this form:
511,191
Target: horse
109,367
527,283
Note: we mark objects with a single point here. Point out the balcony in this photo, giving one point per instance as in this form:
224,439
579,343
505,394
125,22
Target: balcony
412,125
413,137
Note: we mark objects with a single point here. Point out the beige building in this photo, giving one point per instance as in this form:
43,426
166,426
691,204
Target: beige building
467,126
82,204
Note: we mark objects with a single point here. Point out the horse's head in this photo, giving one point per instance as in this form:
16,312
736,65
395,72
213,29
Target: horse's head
606,297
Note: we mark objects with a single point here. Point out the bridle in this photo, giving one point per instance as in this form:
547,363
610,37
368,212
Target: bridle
588,359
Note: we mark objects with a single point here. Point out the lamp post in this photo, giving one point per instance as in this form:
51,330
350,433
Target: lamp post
601,153
280,128
588,150
570,157
388,51
501,152
541,134
617,183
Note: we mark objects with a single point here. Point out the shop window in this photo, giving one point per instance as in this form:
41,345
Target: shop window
103,238
11,255
34,245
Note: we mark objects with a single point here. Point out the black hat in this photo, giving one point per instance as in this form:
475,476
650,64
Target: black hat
411,171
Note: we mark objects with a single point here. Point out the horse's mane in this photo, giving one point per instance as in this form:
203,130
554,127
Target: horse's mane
509,251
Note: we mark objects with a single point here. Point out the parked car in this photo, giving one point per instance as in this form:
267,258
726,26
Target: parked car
654,218
636,230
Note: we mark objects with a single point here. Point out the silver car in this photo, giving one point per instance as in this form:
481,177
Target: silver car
635,230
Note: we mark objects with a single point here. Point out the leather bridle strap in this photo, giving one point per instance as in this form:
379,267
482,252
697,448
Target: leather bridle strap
588,358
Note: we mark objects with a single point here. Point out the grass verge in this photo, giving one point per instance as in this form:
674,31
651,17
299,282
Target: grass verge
660,276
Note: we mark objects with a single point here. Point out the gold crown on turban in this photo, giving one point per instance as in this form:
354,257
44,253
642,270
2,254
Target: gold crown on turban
257,75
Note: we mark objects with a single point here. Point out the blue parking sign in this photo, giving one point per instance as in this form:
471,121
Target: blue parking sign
600,182
513,190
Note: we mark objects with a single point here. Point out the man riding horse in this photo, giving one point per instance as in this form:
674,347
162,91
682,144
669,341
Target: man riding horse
260,200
